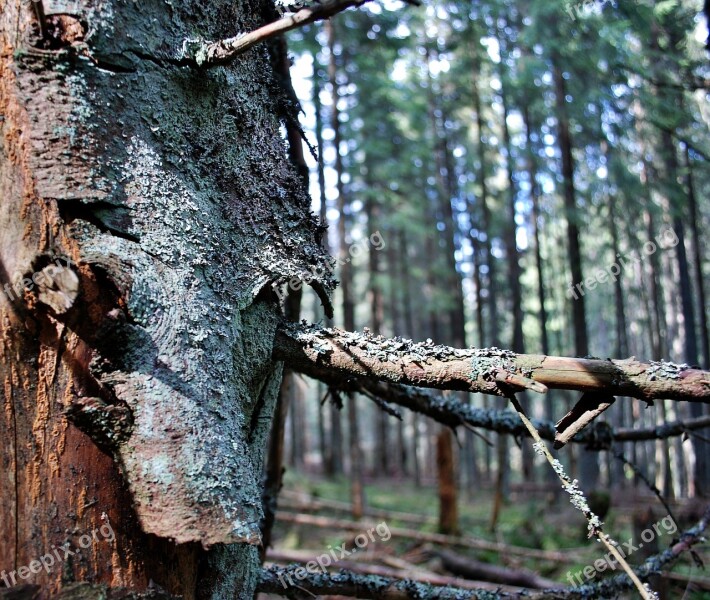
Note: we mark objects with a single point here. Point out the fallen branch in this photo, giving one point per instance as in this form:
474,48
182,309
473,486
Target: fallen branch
204,52
467,567
694,580
313,350
344,583
434,538
303,557
305,503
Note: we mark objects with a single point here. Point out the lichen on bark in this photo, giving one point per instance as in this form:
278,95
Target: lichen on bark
170,189
214,215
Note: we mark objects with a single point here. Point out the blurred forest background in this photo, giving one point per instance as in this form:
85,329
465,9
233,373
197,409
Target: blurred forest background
474,160
505,150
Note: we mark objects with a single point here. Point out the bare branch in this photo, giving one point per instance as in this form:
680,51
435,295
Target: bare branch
412,572
568,555
449,411
204,52
313,350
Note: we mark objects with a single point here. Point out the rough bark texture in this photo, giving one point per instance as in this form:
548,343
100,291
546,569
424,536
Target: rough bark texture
168,189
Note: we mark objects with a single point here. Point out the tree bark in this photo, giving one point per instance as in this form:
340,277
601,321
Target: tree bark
139,388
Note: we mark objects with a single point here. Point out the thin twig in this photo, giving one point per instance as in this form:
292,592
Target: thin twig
618,455
204,52
579,501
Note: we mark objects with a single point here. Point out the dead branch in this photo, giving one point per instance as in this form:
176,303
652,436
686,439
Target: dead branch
351,584
416,574
304,503
467,567
313,350
450,411
694,580
204,52
579,501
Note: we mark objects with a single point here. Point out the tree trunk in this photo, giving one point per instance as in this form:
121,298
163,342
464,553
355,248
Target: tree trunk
698,259
513,258
486,218
589,461
139,382
404,258
346,277
448,510
536,218
333,454
376,301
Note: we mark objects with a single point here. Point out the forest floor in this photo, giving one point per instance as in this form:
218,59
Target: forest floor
537,531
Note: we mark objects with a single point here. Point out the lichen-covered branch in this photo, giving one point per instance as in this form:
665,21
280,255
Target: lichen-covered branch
204,52
277,580
450,411
313,350
579,501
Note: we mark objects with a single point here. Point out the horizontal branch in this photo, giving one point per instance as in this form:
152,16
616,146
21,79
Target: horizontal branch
204,52
450,411
414,572
275,580
470,568
356,585
313,350
302,503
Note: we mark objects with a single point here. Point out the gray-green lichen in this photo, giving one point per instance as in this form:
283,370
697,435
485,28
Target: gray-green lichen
396,348
665,370
486,361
